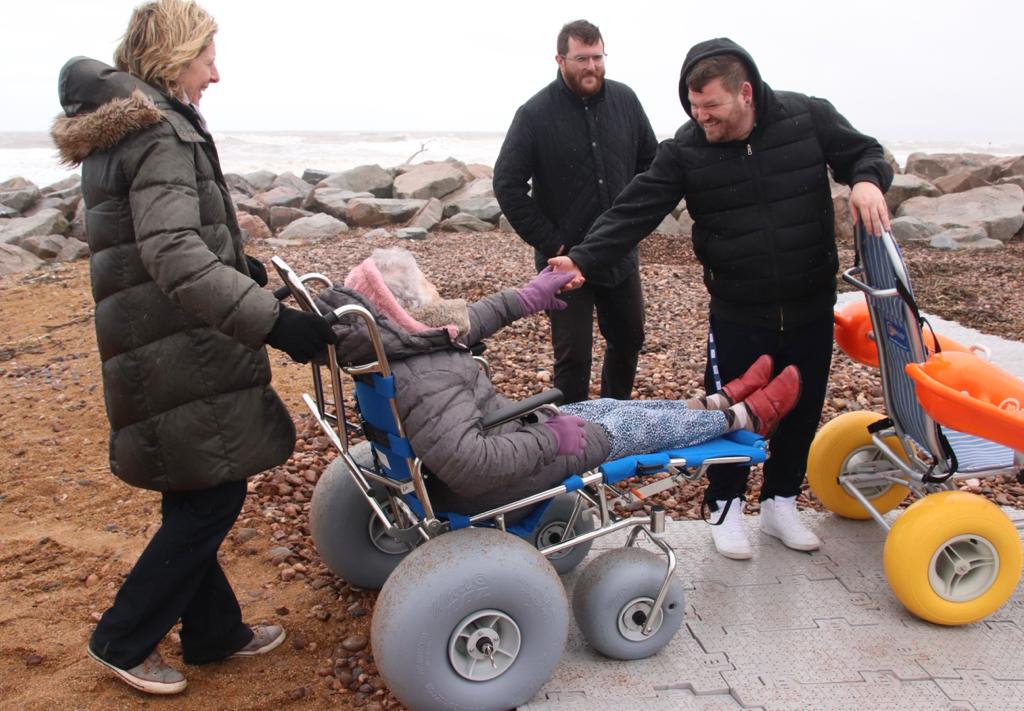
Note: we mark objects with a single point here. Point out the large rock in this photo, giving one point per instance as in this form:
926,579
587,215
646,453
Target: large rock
906,186
429,216
429,180
504,225
67,207
685,222
964,238
238,184
18,194
996,209
968,179
310,229
260,180
669,226
45,222
7,212
281,217
843,220
281,196
314,176
333,201
913,229
365,179
479,170
481,187
1012,166
934,165
483,208
73,250
290,180
15,259
70,187
465,223
45,247
254,226
374,212
255,207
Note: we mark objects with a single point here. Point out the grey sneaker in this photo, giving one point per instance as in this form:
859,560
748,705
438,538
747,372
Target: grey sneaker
152,676
264,639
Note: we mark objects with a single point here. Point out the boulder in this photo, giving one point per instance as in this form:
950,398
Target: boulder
934,165
18,194
254,207
411,233
77,229
1012,166
679,208
6,212
72,251
281,217
479,170
45,222
281,196
1012,180
260,180
332,201
429,180
483,208
891,160
290,180
45,247
314,176
913,229
310,229
238,184
996,209
67,207
481,187
377,233
504,225
428,216
70,187
843,223
15,260
668,226
465,223
254,226
365,179
905,186
963,238
685,222
968,179
373,212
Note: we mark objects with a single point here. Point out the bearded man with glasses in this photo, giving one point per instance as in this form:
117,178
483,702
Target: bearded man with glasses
579,141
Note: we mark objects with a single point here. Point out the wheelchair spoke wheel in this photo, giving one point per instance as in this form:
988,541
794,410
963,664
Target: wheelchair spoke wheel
349,537
551,530
843,447
473,619
953,558
614,600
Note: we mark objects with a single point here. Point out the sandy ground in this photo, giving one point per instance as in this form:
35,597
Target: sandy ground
69,530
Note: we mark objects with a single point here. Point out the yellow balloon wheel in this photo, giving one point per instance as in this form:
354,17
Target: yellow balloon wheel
840,447
953,558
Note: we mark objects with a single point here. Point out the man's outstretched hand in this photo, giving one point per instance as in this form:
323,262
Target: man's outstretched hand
867,203
564,264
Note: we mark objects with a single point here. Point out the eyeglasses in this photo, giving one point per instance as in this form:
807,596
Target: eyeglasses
585,59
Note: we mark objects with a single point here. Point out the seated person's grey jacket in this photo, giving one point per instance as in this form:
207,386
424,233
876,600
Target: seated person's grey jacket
443,395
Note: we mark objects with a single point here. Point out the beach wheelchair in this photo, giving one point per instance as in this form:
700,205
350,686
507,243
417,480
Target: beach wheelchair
471,612
952,557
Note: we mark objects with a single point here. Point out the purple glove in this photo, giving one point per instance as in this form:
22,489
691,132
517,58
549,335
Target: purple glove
539,292
569,434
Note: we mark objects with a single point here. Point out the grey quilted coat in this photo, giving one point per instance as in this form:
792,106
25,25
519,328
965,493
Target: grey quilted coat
179,323
442,395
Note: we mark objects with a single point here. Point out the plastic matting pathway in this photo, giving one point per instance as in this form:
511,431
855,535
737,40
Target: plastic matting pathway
791,630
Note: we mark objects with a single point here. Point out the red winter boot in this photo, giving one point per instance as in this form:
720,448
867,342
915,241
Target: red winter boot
771,403
756,377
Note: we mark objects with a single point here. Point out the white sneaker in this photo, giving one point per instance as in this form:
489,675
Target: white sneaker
779,518
729,537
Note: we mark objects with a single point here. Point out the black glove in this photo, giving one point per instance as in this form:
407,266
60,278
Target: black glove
257,271
300,334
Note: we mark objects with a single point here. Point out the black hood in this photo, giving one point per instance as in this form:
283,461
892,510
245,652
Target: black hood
86,84
712,48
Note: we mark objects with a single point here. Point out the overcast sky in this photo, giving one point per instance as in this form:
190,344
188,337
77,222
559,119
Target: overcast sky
902,70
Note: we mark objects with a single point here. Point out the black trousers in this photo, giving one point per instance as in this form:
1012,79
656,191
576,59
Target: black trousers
620,318
809,348
178,577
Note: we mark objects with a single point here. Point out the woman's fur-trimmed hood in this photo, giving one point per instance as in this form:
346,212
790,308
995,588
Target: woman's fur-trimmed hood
78,137
102,107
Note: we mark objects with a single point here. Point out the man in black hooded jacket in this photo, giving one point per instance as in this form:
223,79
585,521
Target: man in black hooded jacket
753,167
580,140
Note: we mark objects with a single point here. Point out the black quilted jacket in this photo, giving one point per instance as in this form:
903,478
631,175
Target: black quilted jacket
580,154
762,207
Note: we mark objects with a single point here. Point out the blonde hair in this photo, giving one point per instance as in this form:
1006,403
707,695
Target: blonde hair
162,38
402,276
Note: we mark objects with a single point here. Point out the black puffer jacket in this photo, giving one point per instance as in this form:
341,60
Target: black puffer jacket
762,207
580,154
179,323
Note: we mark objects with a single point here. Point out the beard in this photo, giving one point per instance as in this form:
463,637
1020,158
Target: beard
574,80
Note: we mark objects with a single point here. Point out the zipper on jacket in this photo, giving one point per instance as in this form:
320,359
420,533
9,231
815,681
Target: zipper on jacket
750,151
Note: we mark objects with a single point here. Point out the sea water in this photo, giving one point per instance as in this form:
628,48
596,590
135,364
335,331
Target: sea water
32,155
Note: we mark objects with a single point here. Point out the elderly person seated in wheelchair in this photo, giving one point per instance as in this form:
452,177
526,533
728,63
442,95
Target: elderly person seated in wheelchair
443,395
